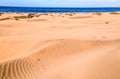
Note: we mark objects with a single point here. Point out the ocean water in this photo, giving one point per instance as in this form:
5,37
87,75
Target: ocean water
48,9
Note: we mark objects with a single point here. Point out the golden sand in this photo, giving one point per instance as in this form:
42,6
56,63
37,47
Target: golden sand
60,46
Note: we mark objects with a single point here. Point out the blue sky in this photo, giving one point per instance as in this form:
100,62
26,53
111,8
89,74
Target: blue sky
60,3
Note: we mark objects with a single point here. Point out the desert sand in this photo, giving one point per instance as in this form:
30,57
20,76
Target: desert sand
60,46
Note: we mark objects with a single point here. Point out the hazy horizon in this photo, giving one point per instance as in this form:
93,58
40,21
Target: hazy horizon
59,7
61,3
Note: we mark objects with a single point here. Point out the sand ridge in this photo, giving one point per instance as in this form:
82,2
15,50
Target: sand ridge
60,46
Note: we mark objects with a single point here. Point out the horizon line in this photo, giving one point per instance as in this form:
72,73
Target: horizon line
59,7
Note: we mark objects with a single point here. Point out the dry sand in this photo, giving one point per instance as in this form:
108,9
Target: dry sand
60,46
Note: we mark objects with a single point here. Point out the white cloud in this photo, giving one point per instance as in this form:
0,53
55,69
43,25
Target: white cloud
86,0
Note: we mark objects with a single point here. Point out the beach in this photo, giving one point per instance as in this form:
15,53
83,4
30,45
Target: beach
60,45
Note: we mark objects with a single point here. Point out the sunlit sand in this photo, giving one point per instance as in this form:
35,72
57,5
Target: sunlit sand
60,46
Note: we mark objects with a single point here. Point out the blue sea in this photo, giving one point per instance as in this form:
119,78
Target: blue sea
50,9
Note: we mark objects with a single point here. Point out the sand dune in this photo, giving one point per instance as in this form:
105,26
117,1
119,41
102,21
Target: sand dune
76,49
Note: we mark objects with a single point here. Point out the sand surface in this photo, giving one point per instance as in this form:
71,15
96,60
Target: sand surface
60,46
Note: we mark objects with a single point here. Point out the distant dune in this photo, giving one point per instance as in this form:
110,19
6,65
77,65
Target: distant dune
60,46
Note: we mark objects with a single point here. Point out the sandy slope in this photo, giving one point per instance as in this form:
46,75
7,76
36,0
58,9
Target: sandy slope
60,46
